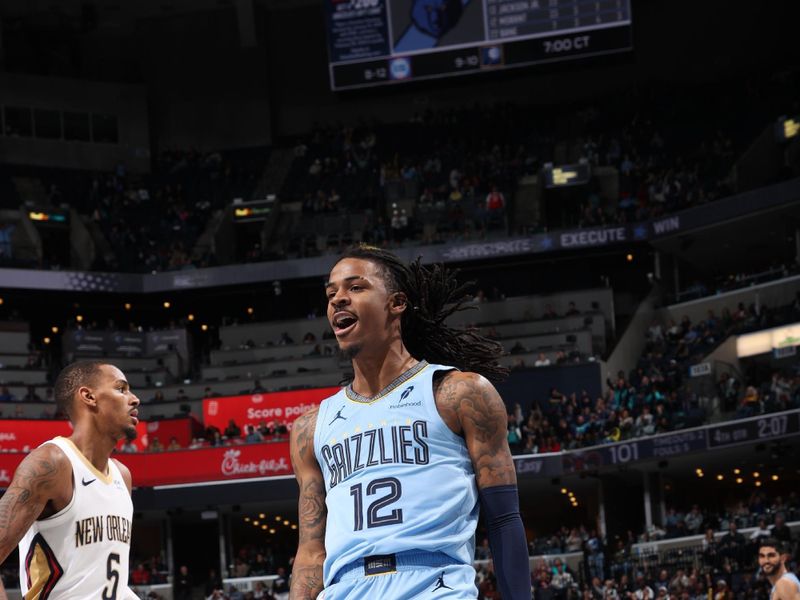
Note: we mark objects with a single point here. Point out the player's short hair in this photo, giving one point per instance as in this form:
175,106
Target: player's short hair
771,542
72,377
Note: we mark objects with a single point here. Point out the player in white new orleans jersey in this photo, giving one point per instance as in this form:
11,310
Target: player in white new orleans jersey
392,468
86,545
69,504
772,555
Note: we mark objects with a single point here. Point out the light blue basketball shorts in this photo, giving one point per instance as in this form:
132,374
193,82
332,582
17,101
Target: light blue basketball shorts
404,576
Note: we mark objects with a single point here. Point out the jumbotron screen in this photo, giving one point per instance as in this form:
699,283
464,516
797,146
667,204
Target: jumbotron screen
374,42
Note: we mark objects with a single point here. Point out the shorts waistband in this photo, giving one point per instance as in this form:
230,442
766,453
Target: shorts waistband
390,563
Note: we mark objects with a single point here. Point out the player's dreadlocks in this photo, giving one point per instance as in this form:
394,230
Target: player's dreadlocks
433,295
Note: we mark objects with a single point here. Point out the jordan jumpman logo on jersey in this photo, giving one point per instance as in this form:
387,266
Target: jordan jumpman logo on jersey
338,416
441,584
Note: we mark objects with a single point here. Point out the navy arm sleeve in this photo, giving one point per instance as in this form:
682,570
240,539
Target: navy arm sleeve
500,506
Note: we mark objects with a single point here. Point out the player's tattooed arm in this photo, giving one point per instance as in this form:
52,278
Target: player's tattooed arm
44,475
312,512
471,406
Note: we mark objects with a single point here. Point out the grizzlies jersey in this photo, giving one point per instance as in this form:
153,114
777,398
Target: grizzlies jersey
82,551
791,577
397,478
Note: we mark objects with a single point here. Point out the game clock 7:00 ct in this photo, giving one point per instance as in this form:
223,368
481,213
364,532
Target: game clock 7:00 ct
374,42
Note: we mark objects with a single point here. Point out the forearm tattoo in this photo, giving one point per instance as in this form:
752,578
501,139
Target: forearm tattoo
312,512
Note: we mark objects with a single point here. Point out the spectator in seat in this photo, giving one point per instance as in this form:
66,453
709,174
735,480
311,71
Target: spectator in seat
593,550
751,403
128,446
234,593
266,430
562,579
240,568
780,531
214,582
732,544
232,431
31,395
572,310
260,566
645,424
549,313
514,435
253,436
722,591
182,586
642,590
495,208
654,332
518,348
694,519
761,530
280,585
6,396
257,387
261,592
140,575
155,445
541,361
173,444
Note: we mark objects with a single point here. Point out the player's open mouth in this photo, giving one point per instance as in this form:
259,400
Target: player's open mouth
343,322
135,416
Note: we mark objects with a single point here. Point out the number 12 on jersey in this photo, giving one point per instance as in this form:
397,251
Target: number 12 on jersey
374,519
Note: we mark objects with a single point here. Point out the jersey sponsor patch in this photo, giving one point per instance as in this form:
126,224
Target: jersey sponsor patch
380,565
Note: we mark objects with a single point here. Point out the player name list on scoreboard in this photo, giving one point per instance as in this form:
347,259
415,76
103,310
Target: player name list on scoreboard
510,19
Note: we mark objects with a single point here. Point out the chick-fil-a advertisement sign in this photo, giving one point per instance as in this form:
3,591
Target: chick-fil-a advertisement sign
221,463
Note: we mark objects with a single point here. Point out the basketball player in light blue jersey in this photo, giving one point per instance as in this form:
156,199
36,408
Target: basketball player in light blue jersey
772,556
393,468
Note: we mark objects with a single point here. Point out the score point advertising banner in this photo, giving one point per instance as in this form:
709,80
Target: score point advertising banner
251,409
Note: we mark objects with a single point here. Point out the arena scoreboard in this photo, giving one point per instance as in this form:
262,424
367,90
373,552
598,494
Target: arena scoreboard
375,42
